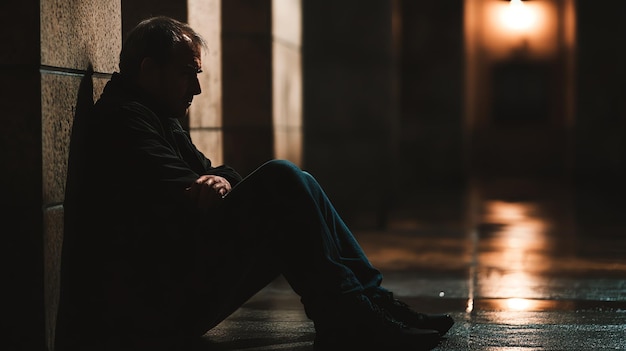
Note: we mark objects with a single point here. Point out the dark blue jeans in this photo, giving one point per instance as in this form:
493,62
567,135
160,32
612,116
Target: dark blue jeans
278,220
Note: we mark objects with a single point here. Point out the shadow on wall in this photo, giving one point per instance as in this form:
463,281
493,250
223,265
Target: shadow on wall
84,106
56,267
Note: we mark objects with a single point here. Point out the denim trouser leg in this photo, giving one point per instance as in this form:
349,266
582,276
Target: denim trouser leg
350,252
279,221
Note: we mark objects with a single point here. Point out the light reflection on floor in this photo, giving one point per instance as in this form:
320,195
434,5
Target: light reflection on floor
522,246
513,254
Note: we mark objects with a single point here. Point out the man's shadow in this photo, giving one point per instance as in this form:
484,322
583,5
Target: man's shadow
84,108
82,111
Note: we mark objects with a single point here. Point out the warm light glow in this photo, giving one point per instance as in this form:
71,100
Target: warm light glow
518,17
514,258
470,306
508,27
517,304
502,211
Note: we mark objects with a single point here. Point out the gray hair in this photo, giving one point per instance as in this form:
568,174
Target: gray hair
157,38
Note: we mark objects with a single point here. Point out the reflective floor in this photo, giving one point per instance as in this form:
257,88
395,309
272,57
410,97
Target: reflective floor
530,265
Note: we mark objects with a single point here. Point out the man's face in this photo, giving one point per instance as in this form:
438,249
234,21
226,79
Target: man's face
177,81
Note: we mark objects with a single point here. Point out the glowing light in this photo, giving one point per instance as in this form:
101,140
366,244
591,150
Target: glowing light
470,305
518,17
518,304
506,212
506,26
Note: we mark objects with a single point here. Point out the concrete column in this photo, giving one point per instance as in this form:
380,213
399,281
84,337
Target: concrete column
287,79
75,36
600,123
247,83
600,75
431,172
350,103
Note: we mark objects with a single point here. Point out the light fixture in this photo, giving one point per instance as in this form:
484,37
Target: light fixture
517,16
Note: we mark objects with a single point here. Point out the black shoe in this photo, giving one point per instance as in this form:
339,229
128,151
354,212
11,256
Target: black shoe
402,312
365,326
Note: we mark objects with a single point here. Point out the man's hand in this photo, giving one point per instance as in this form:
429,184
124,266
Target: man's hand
208,190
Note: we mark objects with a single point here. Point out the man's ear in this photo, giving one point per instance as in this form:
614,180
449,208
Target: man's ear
147,64
148,71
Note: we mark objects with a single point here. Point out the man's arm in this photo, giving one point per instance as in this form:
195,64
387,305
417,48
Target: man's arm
208,190
184,140
154,163
162,162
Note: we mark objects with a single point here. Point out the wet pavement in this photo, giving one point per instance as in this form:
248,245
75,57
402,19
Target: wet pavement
532,265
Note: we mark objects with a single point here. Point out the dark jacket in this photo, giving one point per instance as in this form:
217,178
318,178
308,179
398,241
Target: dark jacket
128,222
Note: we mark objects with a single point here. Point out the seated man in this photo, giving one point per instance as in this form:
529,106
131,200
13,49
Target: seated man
160,246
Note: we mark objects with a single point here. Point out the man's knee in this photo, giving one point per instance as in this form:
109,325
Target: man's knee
281,168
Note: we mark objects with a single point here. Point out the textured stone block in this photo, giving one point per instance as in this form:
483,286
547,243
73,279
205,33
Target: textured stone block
53,242
77,33
59,94
98,86
58,101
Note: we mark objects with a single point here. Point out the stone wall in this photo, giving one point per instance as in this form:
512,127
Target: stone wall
76,36
51,45
73,37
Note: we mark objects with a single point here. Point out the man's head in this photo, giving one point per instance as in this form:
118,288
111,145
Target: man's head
162,56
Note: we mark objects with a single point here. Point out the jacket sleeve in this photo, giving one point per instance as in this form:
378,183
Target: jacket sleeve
205,166
147,154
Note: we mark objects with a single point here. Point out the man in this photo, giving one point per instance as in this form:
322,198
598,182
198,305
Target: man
160,246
